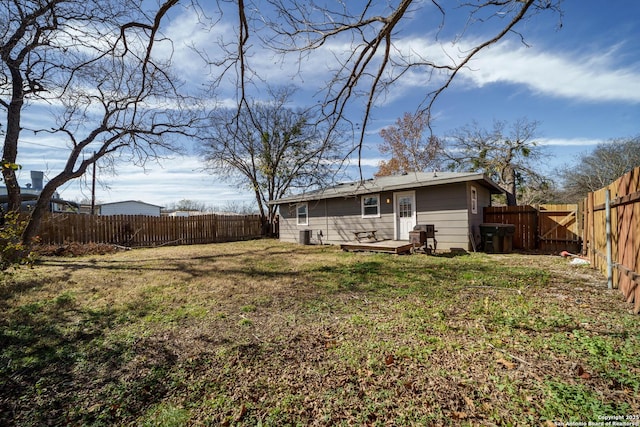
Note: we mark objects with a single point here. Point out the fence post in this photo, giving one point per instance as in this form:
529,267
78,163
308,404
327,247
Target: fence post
608,231
592,224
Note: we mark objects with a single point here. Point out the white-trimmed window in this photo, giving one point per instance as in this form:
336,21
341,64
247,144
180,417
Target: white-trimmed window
474,200
302,213
370,205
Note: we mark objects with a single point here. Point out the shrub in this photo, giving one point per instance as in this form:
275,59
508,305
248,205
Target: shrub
13,252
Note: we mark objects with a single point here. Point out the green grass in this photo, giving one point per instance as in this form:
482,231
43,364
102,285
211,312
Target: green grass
272,334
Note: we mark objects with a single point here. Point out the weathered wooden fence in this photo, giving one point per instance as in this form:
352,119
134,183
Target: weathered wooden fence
141,231
547,228
622,235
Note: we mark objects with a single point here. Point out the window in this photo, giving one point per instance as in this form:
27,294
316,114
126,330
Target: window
474,200
301,213
371,205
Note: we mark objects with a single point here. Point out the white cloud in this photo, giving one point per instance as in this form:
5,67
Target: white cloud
365,161
193,42
167,182
161,183
570,142
589,76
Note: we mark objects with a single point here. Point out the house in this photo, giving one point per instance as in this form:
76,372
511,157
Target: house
30,194
130,207
392,206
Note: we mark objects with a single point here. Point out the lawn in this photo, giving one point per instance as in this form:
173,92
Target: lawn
273,334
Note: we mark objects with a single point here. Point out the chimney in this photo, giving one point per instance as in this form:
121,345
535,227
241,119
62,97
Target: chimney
36,180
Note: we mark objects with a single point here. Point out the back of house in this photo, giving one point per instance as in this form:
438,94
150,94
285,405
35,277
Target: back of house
388,208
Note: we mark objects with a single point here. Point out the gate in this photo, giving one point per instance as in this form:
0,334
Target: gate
547,228
559,228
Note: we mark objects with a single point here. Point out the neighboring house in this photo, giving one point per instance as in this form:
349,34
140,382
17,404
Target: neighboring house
30,194
130,207
392,206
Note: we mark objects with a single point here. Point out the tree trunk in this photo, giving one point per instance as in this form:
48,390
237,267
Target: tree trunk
44,199
272,221
38,212
42,205
510,186
259,201
10,152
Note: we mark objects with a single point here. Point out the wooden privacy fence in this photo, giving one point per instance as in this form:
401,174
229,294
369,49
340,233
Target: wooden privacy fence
140,231
547,228
615,249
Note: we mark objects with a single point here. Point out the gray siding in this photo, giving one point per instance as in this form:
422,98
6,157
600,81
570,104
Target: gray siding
448,207
484,199
337,219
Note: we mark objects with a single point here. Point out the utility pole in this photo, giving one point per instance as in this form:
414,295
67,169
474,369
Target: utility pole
93,186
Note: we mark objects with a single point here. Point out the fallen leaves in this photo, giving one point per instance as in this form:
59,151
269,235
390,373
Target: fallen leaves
505,363
241,413
580,372
389,360
469,402
330,343
458,415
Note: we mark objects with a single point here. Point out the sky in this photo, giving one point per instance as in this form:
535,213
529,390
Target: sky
578,75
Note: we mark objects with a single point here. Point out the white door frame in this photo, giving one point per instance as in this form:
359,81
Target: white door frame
396,217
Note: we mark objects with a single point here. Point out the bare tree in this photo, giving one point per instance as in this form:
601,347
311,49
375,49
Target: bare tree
364,41
271,149
507,154
410,148
189,205
239,207
91,64
538,190
599,168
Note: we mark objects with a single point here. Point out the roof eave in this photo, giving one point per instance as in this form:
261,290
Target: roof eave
362,189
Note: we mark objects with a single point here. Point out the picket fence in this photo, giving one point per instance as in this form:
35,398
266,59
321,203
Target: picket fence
612,234
144,231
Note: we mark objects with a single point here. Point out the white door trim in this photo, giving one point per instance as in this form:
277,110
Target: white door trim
396,214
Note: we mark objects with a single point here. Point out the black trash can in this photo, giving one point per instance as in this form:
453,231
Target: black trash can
507,238
497,238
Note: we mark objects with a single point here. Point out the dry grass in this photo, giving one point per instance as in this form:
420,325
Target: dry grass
265,333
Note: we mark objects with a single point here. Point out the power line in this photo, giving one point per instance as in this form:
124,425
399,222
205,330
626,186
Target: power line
22,141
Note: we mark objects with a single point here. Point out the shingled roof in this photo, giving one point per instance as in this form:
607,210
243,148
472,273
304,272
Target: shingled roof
391,183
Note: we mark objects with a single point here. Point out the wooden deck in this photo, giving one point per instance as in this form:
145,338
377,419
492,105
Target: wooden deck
386,246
